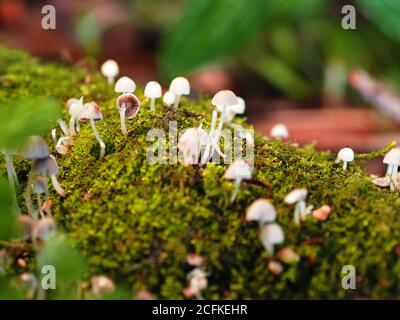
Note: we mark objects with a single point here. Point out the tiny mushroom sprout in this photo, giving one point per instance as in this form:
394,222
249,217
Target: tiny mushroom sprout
62,145
179,86
239,170
101,285
271,235
298,197
128,104
75,108
40,187
346,155
262,211
110,70
392,159
197,280
49,167
169,98
91,112
279,132
191,144
153,91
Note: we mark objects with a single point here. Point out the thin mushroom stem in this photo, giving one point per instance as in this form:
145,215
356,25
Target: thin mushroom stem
47,199
72,122
394,184
122,117
152,104
28,198
236,189
54,135
270,248
217,135
63,127
344,165
10,164
40,205
177,100
110,80
12,184
97,135
209,140
296,213
57,186
389,170
77,125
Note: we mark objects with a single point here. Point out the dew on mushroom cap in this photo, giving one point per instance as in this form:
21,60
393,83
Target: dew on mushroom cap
91,112
49,167
169,98
392,159
152,91
125,85
191,144
179,86
271,235
239,170
279,131
346,155
110,70
129,106
262,211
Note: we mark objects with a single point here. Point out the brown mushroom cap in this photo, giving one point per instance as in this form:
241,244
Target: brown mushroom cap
46,167
132,104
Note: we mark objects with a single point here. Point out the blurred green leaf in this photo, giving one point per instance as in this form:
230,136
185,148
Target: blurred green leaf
7,218
20,119
385,14
209,30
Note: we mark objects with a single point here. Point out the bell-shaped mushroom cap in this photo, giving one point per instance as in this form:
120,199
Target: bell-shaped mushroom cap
44,229
224,99
392,157
70,102
279,131
240,107
110,68
296,195
261,210
191,143
180,86
76,106
169,98
382,182
40,185
125,85
91,111
132,104
153,90
35,148
239,169
346,154
46,167
271,234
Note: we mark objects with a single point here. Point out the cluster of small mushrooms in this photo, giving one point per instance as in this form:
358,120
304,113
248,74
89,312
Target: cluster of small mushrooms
197,146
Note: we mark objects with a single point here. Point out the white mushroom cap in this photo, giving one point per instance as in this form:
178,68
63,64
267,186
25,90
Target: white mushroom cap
110,69
191,143
224,99
239,169
91,111
279,131
261,210
76,106
169,98
197,280
240,107
271,234
296,195
180,86
392,157
346,154
125,85
153,90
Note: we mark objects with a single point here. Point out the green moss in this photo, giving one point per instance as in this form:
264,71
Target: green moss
136,222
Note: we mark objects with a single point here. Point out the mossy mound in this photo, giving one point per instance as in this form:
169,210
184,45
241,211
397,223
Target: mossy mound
137,221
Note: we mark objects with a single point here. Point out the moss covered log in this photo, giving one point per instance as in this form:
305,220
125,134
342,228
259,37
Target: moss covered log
136,221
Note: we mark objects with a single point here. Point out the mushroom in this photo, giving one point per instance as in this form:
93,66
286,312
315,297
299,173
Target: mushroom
30,283
236,109
239,170
129,106
12,176
288,255
75,109
298,197
169,98
25,226
197,280
44,230
91,112
101,285
40,187
271,235
262,211
392,159
346,155
62,145
179,86
152,91
191,144
125,85
322,213
49,167
279,131
110,70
